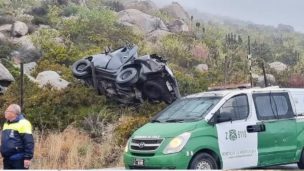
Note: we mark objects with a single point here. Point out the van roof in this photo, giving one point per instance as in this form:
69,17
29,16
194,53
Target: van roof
222,93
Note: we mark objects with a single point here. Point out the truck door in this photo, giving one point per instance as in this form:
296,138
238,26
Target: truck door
277,144
238,148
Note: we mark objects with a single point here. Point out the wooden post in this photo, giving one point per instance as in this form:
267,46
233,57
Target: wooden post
22,87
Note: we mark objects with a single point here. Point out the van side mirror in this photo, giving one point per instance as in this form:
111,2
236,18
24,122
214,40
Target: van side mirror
223,118
219,118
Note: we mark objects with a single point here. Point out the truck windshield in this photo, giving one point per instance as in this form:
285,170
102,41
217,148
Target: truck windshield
188,109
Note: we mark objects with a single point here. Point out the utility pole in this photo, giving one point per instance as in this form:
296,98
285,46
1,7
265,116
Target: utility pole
250,63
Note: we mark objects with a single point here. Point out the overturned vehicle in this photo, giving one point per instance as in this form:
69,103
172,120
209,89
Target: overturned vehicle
123,76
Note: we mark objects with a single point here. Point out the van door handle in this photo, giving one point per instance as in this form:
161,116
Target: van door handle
256,128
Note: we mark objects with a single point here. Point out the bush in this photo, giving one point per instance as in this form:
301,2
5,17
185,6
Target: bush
52,109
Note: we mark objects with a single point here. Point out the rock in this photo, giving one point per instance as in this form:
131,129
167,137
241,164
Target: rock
202,67
157,35
5,75
28,68
24,41
176,11
270,79
278,66
19,29
146,6
51,78
27,51
43,26
2,37
177,26
141,21
6,28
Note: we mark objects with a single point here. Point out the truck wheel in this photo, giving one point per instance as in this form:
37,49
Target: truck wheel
127,77
81,68
301,162
203,161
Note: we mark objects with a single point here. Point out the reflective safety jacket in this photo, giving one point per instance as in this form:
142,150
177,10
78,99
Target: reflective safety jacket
17,140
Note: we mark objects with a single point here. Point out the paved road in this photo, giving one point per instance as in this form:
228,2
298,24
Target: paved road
282,167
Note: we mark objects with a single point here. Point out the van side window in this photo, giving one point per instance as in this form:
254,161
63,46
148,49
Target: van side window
236,107
272,106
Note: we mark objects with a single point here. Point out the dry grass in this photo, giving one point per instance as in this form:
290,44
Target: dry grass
74,149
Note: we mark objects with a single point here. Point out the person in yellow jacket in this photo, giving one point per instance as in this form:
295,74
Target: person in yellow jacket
17,143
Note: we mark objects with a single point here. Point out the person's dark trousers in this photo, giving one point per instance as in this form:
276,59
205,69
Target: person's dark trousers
13,164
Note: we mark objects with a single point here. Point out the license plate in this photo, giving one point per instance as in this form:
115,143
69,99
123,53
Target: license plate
138,162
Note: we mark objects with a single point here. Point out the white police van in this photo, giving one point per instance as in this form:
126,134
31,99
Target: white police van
227,129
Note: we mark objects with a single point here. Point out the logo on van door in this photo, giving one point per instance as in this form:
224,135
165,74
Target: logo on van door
233,134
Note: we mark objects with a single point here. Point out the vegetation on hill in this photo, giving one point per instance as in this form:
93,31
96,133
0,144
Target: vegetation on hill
88,29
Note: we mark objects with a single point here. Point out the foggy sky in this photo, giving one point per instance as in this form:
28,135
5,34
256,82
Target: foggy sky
268,12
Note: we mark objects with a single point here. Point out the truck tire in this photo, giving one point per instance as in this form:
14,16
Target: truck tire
81,68
127,77
203,161
301,161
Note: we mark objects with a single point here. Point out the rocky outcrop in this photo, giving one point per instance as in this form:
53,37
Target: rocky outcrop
2,37
6,28
278,66
202,67
5,75
176,11
146,6
177,26
51,78
6,78
270,79
141,21
19,29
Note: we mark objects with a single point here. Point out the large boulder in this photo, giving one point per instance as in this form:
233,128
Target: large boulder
146,6
141,21
6,28
51,78
176,11
178,25
278,66
19,29
5,76
270,79
202,67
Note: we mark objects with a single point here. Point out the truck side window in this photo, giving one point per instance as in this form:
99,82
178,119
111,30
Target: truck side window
236,107
272,106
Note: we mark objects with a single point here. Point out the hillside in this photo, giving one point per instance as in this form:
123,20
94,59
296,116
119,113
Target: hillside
49,36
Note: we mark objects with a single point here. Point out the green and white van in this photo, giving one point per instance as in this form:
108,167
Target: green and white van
243,128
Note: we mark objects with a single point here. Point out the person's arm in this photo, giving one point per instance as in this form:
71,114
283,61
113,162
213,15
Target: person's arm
28,140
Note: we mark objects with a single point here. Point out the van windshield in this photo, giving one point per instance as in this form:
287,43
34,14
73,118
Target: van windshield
188,109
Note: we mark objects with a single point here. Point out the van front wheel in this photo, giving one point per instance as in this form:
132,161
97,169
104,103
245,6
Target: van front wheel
301,162
203,161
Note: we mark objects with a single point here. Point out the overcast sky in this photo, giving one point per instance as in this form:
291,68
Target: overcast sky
268,12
